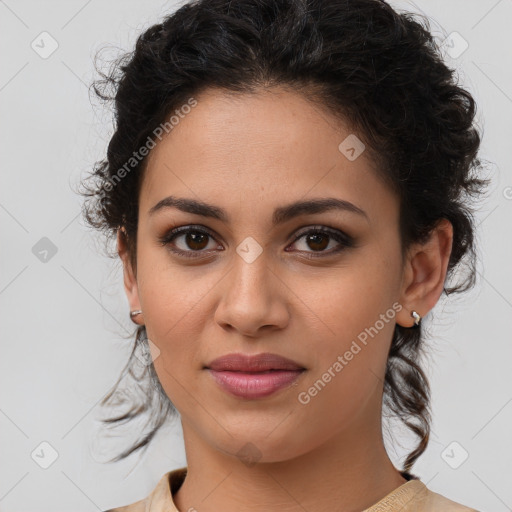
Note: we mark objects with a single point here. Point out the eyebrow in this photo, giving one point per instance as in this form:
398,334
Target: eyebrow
281,214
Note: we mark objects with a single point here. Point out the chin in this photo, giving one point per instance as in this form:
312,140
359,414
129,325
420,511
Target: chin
262,448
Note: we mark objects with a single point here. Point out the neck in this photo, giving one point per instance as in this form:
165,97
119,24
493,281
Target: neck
350,471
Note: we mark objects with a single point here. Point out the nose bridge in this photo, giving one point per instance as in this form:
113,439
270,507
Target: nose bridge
251,298
250,277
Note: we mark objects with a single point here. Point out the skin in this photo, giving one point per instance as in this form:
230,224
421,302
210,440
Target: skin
250,154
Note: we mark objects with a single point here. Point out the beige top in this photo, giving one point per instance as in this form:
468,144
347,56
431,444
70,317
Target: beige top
412,496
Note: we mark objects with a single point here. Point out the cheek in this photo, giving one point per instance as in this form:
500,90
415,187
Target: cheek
174,325
346,380
172,296
170,300
352,299
358,311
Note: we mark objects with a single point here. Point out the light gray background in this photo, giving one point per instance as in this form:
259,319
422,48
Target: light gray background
63,320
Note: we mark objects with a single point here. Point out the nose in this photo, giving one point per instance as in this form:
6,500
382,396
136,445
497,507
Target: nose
253,299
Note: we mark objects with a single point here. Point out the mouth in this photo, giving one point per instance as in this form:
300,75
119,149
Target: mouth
256,376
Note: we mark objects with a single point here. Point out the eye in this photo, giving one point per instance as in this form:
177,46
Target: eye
320,238
187,240
193,241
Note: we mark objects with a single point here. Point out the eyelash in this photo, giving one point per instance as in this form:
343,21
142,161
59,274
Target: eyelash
345,240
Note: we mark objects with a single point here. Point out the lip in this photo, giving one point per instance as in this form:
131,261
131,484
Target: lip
238,362
254,376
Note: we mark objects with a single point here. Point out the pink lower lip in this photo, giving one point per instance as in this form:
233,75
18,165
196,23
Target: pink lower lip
254,385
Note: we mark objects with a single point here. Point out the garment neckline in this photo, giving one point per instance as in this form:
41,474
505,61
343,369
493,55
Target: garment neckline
401,495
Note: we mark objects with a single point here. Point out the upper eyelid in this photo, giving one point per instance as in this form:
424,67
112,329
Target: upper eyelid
318,227
298,232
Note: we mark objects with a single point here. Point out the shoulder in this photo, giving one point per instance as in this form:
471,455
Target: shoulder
415,496
435,502
160,498
425,500
138,506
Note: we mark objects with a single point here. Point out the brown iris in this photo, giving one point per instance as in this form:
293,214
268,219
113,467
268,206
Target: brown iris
196,241
317,241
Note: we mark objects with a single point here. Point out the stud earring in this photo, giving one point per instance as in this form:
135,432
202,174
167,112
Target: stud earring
417,318
134,313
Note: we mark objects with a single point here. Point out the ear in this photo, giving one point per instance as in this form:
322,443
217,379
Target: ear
129,278
424,273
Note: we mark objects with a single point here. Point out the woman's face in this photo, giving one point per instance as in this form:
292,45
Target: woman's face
258,283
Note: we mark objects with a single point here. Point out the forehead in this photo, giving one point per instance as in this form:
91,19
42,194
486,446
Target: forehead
261,149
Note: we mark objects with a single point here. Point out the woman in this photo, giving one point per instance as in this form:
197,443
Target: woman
289,187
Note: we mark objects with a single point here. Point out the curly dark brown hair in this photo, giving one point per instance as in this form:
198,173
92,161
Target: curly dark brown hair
379,70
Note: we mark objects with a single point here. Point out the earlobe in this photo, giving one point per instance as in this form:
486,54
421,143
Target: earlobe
129,279
425,273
